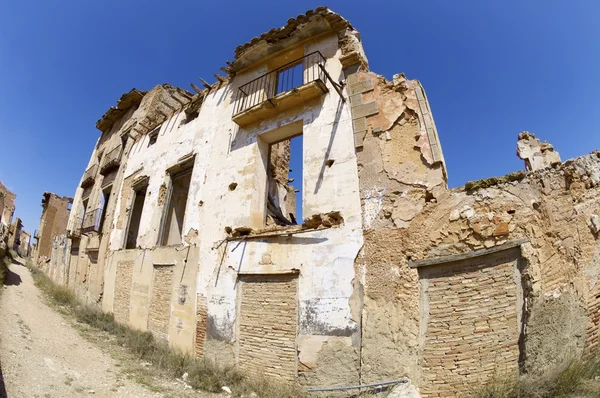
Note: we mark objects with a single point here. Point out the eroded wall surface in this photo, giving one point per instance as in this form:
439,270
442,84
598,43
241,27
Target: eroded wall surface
551,211
411,280
53,223
7,205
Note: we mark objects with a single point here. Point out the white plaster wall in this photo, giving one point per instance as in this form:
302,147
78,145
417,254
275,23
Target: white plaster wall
226,153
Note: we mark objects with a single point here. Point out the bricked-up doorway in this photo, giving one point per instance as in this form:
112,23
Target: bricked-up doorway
268,325
160,302
471,321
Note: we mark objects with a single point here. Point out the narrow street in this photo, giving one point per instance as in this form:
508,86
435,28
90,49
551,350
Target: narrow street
41,355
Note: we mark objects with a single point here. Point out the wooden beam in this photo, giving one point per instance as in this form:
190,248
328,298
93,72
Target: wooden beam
465,256
205,83
196,89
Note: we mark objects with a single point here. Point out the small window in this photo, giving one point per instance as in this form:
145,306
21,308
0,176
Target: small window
124,139
284,200
135,217
153,137
175,211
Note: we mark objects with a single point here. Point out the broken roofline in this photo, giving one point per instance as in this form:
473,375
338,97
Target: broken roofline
333,22
243,58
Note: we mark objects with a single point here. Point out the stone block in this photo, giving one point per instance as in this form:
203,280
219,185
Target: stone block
363,110
361,87
359,124
356,99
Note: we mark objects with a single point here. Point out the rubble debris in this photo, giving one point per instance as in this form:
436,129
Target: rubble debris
326,220
493,181
536,154
241,231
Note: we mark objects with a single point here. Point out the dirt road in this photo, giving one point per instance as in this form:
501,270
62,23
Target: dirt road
41,355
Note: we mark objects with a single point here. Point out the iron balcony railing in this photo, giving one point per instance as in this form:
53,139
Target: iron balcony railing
297,73
91,221
74,227
89,176
112,160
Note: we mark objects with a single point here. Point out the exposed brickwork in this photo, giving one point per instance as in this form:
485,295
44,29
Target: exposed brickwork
160,305
55,216
268,326
201,314
472,327
593,330
123,291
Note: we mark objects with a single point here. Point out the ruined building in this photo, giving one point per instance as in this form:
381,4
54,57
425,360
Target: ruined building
184,224
7,205
53,223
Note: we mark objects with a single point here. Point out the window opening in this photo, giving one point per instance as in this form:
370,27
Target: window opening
175,211
153,136
104,205
284,200
135,217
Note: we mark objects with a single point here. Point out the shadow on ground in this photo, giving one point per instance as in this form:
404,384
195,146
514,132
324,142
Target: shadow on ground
12,279
2,386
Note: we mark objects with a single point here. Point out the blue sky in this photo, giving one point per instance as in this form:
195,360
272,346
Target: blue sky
491,70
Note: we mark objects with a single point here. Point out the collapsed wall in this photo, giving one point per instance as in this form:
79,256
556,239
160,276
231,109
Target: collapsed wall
498,276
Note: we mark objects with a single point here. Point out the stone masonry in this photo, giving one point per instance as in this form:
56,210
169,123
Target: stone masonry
392,274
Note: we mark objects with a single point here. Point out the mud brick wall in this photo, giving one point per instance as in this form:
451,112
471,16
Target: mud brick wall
593,329
123,291
160,305
201,315
268,321
472,328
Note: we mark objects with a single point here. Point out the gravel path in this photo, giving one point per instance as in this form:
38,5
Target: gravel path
41,355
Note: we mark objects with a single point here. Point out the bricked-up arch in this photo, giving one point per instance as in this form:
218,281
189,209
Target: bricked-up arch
471,320
268,322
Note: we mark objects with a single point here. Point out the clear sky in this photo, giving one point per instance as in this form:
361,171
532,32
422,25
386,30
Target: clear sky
490,69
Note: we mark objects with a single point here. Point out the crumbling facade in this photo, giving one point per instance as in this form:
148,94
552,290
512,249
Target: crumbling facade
7,205
184,224
53,222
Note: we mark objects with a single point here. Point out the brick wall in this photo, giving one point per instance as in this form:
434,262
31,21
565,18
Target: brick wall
472,329
268,321
160,304
593,330
123,291
201,315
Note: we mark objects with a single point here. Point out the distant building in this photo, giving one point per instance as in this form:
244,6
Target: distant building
53,222
7,205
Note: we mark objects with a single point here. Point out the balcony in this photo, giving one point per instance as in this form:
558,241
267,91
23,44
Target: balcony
281,89
89,176
91,221
111,161
74,227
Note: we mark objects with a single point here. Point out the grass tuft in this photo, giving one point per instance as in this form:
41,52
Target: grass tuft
202,374
579,378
